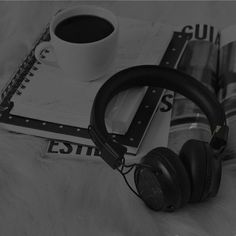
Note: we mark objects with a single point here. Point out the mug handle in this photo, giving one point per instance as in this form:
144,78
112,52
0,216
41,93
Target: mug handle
39,53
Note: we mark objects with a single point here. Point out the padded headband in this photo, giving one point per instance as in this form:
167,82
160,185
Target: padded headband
155,76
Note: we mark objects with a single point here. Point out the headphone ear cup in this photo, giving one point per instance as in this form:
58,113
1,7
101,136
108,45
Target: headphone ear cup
162,181
203,168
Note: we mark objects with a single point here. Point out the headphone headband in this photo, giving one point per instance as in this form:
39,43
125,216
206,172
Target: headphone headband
156,76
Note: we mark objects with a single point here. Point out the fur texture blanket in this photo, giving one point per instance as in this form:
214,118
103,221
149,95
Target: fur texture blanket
54,197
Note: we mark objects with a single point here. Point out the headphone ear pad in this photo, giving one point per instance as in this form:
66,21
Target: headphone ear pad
173,181
203,168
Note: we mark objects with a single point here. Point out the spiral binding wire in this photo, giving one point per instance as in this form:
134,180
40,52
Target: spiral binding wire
18,81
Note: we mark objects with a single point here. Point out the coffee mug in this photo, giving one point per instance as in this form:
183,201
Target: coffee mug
84,41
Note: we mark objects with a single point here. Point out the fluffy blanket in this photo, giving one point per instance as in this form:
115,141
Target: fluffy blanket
54,197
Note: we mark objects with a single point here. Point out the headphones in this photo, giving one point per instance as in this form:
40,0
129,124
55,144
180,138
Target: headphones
164,180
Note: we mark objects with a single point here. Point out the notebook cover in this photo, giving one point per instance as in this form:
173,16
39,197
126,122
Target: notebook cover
132,137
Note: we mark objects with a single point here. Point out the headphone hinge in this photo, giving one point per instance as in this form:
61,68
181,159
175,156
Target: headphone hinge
112,153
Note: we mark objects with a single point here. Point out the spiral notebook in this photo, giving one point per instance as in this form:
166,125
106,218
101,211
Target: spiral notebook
35,87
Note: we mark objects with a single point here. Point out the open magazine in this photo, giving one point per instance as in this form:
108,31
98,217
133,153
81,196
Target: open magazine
210,57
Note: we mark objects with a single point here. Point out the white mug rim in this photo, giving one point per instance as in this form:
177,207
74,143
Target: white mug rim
62,12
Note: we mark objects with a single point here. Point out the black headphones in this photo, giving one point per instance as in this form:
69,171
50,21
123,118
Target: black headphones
164,180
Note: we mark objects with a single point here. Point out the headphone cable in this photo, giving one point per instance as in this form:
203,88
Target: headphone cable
124,173
130,167
127,182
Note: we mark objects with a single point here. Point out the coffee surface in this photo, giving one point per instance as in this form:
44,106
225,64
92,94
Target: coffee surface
83,29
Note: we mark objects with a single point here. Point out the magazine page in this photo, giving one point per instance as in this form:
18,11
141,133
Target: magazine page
199,60
227,83
227,72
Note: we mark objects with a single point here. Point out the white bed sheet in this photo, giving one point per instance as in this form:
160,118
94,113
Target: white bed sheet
45,197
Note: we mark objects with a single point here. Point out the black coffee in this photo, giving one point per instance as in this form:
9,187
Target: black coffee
84,29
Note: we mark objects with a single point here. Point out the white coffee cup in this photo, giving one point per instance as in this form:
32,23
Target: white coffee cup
81,61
